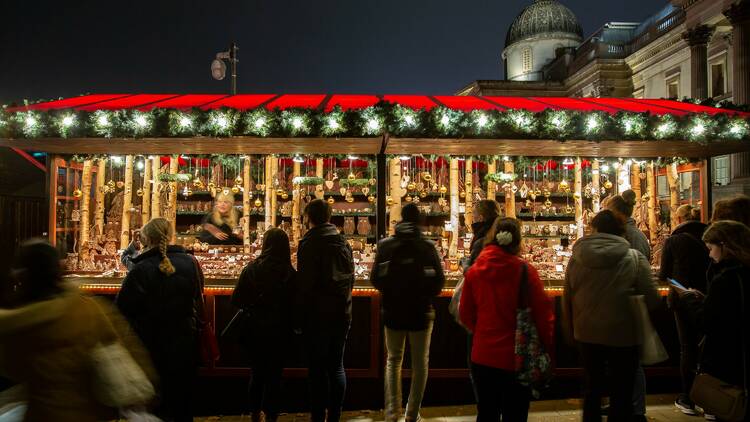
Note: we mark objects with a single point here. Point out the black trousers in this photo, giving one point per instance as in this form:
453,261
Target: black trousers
499,395
689,339
326,375
621,363
267,367
176,395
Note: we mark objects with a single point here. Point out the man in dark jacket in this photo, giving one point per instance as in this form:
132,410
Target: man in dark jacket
325,276
685,259
409,274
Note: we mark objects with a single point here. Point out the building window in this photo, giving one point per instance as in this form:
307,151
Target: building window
718,79
527,59
673,88
721,170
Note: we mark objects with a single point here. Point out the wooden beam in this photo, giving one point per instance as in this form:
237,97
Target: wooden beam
127,203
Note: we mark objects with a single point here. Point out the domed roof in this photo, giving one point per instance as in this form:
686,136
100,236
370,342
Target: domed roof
543,16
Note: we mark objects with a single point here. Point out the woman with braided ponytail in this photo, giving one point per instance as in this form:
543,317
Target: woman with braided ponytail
158,297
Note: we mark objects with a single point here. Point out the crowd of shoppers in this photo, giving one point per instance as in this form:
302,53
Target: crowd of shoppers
49,337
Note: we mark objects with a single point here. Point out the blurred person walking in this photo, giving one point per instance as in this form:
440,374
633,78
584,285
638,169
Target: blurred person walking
409,274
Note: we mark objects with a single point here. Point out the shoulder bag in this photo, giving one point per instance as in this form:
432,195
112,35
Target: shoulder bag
651,349
726,401
533,363
208,347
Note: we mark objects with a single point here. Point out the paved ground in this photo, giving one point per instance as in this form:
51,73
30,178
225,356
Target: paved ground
660,408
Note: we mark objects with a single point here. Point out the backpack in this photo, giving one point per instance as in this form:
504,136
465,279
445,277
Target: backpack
407,262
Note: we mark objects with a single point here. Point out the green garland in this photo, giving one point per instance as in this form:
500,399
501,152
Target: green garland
179,177
354,182
397,121
308,181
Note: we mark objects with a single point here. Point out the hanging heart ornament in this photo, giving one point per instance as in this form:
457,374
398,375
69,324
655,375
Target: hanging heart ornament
329,184
365,190
342,191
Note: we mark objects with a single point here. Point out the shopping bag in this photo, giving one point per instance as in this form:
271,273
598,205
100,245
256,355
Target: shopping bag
118,379
652,350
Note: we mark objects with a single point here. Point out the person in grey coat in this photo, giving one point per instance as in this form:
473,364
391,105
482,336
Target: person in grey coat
602,274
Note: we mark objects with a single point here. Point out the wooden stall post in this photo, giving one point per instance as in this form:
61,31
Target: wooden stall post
173,167
510,196
320,189
635,180
146,204
453,249
395,191
595,189
85,203
651,183
274,196
623,178
127,203
246,188
269,192
155,194
491,187
469,200
296,198
674,198
577,196
100,180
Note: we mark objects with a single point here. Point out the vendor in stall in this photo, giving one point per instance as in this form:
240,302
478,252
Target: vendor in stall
221,226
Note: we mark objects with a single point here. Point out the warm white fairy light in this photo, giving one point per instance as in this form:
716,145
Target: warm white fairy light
445,120
506,158
373,124
259,122
222,122
116,159
30,121
698,129
592,123
404,158
141,121
352,157
482,120
409,120
139,165
68,121
333,123
185,122
297,122
103,120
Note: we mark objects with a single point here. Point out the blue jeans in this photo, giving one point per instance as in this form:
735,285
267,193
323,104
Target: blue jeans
327,379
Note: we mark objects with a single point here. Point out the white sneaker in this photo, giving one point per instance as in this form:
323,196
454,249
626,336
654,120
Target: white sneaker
709,417
686,408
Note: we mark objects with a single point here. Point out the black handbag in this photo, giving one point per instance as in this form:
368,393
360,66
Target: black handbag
726,401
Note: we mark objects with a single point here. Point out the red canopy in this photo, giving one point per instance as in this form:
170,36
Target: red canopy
354,102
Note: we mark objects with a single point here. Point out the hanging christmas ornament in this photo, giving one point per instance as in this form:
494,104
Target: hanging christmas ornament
211,185
331,200
462,194
443,190
235,189
537,192
514,188
415,199
284,195
329,184
564,186
646,197
528,203
77,193
120,184
226,191
407,198
523,190
349,199
411,186
569,209
258,186
351,176
373,182
258,202
547,203
547,193
197,183
426,176
238,180
188,192
342,191
420,186
371,199
111,184
139,192
642,176
280,192
365,190
532,195
389,200
423,194
608,185
577,195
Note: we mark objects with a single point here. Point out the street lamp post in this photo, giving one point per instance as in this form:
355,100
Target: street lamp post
219,68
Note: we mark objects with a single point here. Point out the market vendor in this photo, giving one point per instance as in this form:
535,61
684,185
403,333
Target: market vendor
221,226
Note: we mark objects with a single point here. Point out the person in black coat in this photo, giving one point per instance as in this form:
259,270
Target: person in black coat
409,274
726,329
484,214
263,292
685,259
158,297
323,308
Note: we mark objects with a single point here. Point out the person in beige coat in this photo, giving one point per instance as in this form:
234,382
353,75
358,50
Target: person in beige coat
602,274
46,343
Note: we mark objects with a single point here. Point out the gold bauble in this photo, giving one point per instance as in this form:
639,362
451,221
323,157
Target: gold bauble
411,186
373,182
547,193
351,176
548,203
564,185
528,203
235,189
608,185
462,194
532,195
407,198
238,180
77,193
443,189
111,184
331,200
120,184
197,183
259,186
426,176
284,195
569,210
187,193
423,194
258,202
211,185
350,199
371,199
139,192
280,192
577,195
389,200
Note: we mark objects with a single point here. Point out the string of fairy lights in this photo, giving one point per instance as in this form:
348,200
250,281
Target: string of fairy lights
396,120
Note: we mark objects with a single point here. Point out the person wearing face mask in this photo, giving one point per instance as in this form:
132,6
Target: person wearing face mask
221,226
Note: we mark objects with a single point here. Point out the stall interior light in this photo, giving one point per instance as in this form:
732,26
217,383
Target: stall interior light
605,168
298,159
404,158
506,158
460,158
139,165
352,157
117,159
568,162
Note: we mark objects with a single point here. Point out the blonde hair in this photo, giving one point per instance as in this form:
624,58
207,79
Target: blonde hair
688,213
157,232
232,219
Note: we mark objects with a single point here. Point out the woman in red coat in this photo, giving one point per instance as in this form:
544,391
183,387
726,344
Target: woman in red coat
488,309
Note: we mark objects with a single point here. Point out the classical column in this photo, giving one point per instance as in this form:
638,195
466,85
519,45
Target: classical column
697,38
739,16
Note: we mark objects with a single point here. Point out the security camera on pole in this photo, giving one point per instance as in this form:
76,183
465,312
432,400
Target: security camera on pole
219,68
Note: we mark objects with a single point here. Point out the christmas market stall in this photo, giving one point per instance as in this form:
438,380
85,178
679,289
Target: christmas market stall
116,161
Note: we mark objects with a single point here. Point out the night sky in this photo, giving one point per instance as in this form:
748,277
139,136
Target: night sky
50,49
